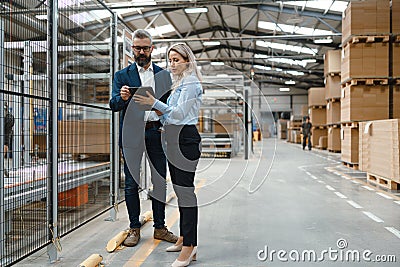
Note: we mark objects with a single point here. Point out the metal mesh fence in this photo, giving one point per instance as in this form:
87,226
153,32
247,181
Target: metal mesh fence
85,138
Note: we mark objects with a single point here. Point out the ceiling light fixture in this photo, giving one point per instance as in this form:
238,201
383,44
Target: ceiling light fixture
323,41
41,17
211,43
217,63
291,82
193,10
284,89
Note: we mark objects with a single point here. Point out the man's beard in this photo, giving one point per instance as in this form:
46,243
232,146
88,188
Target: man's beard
142,60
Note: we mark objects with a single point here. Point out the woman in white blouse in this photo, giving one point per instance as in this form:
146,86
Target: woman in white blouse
180,116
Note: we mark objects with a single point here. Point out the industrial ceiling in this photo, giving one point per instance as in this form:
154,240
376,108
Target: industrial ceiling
278,41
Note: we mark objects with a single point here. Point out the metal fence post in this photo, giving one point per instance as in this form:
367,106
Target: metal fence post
114,131
52,139
2,194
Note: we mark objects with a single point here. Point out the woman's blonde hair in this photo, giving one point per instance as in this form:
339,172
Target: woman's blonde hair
185,51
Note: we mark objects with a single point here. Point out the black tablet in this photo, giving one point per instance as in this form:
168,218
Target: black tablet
141,90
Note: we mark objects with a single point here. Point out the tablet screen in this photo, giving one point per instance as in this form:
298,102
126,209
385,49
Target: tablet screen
141,90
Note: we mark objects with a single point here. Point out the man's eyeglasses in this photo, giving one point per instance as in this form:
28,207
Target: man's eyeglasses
139,48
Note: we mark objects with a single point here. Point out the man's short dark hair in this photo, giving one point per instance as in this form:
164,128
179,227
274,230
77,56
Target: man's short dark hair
142,34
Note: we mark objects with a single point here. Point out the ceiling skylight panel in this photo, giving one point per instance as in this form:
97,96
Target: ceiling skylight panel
284,47
84,17
338,6
160,30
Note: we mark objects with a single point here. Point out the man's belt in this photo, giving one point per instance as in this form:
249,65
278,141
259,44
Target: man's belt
153,124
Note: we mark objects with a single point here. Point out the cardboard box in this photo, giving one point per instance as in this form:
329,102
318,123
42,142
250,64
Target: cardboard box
364,102
316,133
323,142
349,144
74,197
332,62
317,116
91,136
316,96
396,101
333,112
334,141
396,58
396,16
304,110
332,87
225,123
379,148
365,60
366,17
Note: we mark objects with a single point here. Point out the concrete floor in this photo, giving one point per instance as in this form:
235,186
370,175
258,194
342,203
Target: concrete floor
283,198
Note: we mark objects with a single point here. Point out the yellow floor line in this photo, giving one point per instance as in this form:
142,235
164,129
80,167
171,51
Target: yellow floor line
140,256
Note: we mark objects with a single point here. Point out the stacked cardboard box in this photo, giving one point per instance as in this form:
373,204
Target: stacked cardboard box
364,102
332,86
379,151
282,129
334,142
317,113
317,133
365,70
91,136
349,144
396,57
332,71
365,60
225,123
332,62
366,17
294,128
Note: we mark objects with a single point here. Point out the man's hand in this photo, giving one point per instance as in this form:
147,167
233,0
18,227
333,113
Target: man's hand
159,113
125,93
144,100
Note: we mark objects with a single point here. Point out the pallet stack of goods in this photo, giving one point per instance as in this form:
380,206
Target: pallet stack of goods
317,113
379,140
396,55
364,71
282,129
332,69
379,152
294,129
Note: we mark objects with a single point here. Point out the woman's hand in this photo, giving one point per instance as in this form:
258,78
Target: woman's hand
144,100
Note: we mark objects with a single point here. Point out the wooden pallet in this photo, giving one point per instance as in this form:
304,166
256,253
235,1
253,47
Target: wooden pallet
372,38
334,74
350,165
352,124
382,181
215,155
334,151
334,125
319,127
318,107
365,81
333,100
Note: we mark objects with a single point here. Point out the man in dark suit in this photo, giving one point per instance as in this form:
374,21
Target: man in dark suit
140,132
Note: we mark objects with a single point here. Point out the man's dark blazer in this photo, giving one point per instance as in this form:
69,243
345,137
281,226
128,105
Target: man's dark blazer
131,114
